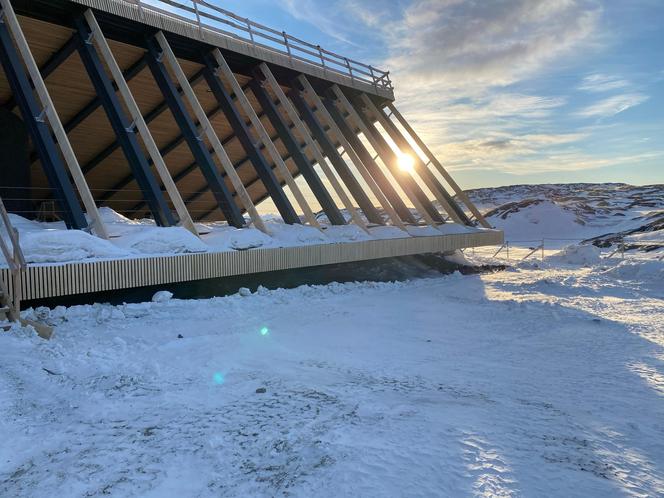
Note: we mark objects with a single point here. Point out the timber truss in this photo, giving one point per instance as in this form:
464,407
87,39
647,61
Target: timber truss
155,114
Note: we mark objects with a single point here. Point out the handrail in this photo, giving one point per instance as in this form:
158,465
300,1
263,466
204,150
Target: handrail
209,17
16,262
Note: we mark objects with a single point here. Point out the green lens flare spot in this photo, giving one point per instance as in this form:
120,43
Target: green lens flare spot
218,378
265,331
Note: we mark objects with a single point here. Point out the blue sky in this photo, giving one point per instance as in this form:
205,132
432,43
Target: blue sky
508,91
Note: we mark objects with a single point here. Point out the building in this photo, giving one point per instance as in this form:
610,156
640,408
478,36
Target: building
183,112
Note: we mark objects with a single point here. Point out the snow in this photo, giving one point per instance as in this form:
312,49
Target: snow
52,243
576,254
605,213
536,381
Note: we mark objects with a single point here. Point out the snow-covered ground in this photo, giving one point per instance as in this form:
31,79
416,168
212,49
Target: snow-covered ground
543,380
605,213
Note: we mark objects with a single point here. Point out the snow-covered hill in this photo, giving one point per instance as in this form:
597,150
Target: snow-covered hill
605,213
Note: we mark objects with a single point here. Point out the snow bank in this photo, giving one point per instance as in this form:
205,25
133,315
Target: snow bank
162,240
538,220
638,270
59,246
53,243
582,255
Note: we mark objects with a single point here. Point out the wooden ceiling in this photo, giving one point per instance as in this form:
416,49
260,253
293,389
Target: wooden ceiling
111,180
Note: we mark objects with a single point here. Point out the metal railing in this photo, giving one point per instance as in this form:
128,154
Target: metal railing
208,17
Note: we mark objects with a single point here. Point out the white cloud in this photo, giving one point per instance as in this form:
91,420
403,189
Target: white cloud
459,44
612,105
602,83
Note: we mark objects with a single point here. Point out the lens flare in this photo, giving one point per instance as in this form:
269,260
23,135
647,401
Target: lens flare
218,378
265,331
406,163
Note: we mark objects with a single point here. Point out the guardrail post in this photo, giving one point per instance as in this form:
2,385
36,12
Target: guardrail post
290,56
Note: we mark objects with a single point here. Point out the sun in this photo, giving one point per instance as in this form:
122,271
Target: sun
406,163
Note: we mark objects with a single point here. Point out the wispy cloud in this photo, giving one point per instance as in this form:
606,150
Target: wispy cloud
459,44
612,105
603,83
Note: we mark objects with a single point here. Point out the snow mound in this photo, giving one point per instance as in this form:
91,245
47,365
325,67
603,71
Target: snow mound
535,219
638,270
295,235
59,246
581,255
162,240
238,239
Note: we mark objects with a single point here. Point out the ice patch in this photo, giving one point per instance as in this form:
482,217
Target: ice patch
162,296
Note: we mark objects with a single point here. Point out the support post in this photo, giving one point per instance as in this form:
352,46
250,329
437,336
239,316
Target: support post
443,172
265,74
330,150
361,167
241,131
303,164
141,125
427,177
33,117
355,144
390,159
124,129
264,137
199,151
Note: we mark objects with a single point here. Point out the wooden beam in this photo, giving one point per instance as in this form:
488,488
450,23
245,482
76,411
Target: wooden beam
209,132
355,159
343,102
54,120
426,176
265,137
443,172
141,125
271,82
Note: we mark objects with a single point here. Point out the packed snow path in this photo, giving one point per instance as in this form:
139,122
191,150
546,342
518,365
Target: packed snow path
529,382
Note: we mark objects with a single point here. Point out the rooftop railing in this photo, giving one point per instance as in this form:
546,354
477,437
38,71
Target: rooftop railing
209,17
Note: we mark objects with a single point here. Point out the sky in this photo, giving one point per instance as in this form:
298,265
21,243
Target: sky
508,91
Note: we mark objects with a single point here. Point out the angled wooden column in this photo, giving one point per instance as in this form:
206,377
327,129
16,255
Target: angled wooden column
38,115
427,176
140,124
330,150
264,137
198,149
241,131
410,188
268,78
301,161
364,155
361,167
443,172
124,130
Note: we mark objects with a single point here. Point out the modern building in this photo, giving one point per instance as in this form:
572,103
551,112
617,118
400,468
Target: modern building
183,112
